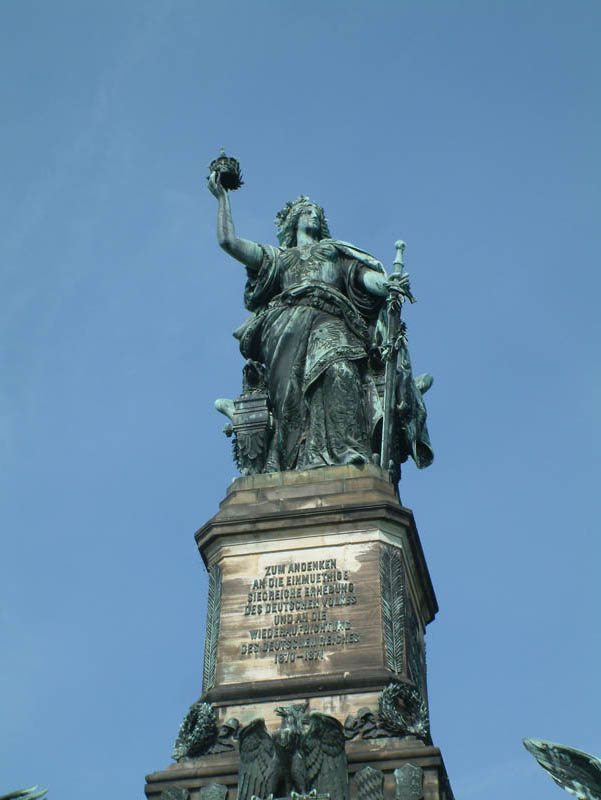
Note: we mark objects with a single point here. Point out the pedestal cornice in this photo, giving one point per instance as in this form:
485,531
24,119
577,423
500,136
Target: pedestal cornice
266,508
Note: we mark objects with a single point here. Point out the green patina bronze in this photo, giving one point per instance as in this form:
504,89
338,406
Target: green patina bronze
305,756
328,378
577,772
32,793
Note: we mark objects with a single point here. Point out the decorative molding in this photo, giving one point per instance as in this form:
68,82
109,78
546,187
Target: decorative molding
214,791
197,733
415,647
366,725
175,793
392,589
403,712
369,782
409,782
212,628
227,734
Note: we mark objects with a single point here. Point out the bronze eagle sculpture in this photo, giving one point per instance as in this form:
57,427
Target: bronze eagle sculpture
32,793
292,758
575,771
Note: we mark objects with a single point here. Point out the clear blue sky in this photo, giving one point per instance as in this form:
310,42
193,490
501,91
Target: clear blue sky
471,130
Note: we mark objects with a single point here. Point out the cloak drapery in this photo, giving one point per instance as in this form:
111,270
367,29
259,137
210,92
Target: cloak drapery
313,325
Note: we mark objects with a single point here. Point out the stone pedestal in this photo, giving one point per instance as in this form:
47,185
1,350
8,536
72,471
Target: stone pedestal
319,592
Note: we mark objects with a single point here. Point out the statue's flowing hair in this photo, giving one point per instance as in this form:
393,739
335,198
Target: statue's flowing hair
286,221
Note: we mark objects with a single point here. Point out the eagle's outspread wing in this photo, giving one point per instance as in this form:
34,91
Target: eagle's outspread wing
325,759
577,772
25,794
257,761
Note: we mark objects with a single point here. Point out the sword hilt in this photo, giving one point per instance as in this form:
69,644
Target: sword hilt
398,259
399,267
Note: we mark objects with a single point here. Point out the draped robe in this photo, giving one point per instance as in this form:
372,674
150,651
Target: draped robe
311,328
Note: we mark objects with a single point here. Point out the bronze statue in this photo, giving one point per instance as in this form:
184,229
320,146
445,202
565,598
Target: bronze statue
316,345
575,771
32,793
292,759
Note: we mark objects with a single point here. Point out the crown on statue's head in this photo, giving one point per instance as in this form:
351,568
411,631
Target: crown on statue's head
284,213
291,210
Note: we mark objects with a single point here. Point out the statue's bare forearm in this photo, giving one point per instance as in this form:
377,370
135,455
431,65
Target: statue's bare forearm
249,253
380,284
374,282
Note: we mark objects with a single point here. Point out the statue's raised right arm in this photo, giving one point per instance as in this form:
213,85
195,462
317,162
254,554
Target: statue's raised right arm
249,253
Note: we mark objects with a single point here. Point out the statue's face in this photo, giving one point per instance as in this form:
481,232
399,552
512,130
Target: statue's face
309,220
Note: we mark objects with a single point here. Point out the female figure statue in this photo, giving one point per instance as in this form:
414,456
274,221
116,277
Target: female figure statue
315,303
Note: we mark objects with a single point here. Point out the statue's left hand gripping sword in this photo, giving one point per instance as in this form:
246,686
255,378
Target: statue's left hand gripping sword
395,338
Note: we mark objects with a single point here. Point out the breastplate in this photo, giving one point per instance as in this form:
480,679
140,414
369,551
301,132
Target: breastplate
318,265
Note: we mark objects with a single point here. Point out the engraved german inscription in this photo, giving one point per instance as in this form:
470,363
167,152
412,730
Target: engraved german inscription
296,611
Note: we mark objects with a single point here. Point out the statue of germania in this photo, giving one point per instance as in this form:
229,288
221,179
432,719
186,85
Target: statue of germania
316,346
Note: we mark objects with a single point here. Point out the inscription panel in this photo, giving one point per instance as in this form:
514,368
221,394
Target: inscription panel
300,612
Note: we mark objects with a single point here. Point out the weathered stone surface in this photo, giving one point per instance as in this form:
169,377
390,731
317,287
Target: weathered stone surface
337,520
409,782
383,754
214,791
369,783
300,559
175,793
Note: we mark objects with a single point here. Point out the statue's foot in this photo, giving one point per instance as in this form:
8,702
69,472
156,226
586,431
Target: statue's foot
351,456
348,456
